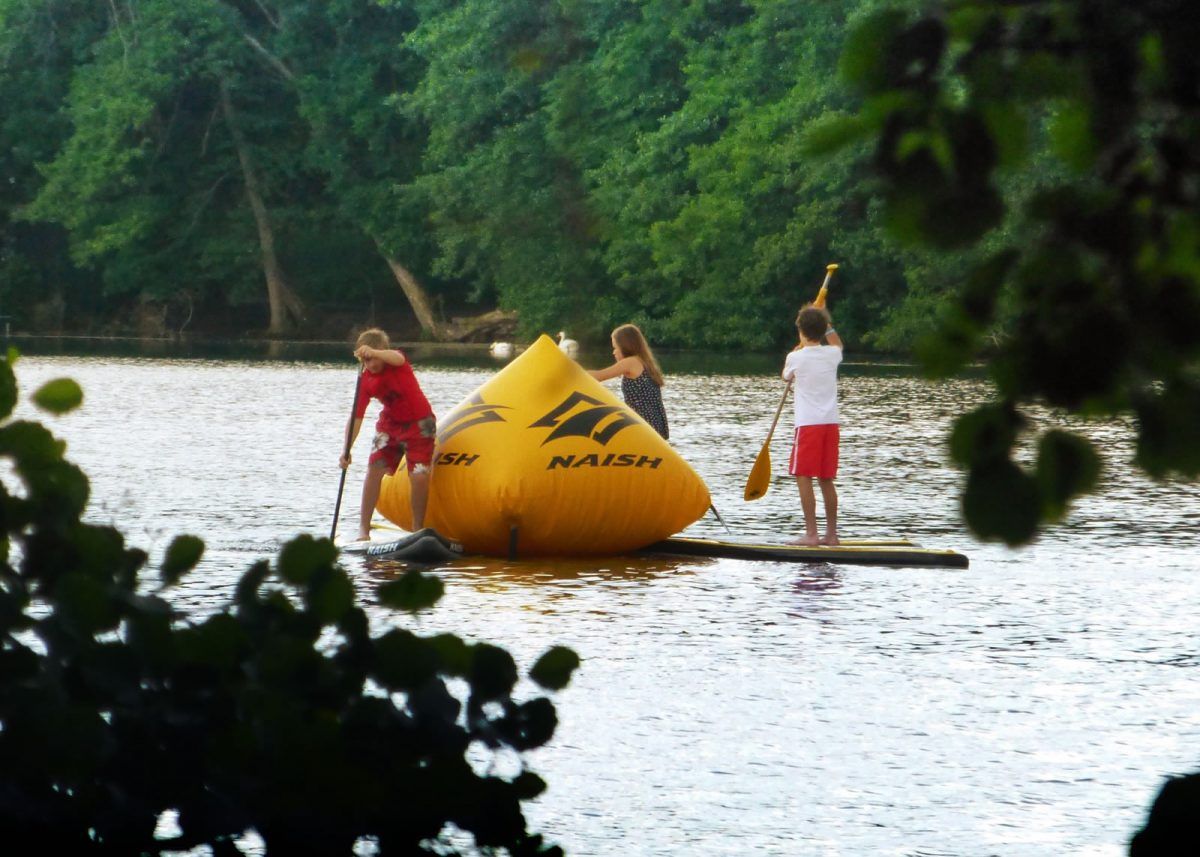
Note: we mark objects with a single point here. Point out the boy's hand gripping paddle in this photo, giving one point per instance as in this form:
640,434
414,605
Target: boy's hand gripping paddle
759,479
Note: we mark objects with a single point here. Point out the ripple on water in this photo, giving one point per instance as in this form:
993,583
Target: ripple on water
1028,705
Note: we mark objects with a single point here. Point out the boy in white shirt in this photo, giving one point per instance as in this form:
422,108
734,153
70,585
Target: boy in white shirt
813,368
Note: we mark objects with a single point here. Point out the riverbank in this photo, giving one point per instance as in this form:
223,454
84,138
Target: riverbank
445,354
250,342
723,705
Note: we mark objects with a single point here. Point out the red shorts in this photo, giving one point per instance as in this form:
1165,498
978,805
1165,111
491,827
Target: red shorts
411,441
815,451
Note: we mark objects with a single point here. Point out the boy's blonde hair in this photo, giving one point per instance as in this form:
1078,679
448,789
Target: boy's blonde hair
374,337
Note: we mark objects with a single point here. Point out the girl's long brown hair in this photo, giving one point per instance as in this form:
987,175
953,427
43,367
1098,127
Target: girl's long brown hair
632,344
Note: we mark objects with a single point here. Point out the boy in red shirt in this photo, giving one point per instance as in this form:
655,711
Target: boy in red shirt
406,427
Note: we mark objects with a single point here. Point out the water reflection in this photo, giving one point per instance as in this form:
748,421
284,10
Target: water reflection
814,588
1027,705
498,573
818,581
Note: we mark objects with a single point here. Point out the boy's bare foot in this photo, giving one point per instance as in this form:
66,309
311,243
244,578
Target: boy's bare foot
831,539
806,541
363,537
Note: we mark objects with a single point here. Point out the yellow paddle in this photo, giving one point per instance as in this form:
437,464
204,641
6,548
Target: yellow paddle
759,479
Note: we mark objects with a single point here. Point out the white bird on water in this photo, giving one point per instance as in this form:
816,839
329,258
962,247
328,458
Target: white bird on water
503,350
568,347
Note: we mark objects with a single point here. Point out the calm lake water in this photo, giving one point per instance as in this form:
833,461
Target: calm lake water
1030,705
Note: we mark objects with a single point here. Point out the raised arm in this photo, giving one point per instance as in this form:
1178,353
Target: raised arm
388,355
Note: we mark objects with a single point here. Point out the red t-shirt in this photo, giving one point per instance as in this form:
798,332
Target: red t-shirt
397,388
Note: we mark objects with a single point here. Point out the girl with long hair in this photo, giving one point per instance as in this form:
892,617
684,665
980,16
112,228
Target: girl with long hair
641,377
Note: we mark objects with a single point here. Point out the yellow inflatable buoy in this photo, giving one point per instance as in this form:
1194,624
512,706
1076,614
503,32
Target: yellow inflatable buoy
543,460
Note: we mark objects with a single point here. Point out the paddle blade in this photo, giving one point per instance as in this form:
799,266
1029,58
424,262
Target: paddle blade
759,479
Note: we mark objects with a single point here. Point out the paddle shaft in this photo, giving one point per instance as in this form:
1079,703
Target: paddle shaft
779,410
337,507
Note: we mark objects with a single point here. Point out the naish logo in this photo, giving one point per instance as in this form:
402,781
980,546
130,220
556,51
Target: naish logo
474,412
625,459
585,421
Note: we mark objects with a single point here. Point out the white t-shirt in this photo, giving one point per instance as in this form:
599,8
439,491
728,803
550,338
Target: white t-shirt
814,369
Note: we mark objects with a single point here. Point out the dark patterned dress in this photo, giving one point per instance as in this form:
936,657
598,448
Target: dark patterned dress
645,397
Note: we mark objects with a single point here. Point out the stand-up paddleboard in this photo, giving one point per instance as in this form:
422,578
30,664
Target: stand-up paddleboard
428,545
425,545
899,553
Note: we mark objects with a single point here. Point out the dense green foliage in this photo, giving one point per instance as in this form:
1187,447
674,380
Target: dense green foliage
1019,181
583,163
1011,181
282,715
1103,264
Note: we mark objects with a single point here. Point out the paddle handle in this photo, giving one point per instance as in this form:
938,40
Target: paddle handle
820,301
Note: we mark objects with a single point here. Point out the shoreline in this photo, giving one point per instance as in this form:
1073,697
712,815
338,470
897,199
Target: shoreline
477,352
248,342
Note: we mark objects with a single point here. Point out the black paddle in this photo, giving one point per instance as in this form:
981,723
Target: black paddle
337,507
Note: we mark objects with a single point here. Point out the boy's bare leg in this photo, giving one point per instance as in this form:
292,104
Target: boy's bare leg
370,496
808,503
829,495
418,480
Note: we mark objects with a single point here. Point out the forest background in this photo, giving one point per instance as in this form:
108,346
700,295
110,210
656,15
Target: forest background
296,167
1016,183
1021,179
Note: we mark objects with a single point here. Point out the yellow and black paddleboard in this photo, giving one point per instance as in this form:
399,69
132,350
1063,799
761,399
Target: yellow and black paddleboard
899,552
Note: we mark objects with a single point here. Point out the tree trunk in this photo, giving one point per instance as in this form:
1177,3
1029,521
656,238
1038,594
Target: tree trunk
478,328
287,310
498,324
417,299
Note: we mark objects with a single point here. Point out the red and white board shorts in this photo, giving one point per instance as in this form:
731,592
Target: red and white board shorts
815,451
411,441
